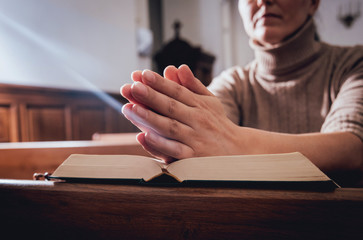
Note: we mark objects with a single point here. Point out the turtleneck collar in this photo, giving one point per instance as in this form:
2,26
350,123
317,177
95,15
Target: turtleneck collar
290,54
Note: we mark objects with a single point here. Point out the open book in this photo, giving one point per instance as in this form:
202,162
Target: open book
287,167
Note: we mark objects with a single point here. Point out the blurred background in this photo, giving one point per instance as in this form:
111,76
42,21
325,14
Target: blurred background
62,62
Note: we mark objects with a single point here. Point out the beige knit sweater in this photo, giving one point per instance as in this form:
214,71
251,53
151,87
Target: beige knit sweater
299,86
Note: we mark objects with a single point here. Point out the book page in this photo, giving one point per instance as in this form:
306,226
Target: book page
270,167
109,167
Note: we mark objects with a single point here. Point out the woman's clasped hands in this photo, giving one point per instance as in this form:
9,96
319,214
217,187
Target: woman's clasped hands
178,116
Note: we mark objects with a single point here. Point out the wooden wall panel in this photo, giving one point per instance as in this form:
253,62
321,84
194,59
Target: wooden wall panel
116,122
47,123
8,123
4,123
47,114
89,120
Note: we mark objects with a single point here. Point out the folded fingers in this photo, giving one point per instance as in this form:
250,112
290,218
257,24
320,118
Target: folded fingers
142,140
148,120
125,90
161,103
169,88
168,147
171,73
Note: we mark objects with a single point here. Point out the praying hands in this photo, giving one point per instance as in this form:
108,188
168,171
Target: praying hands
178,116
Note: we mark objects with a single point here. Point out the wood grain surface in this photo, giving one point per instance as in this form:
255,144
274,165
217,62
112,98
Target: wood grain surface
109,211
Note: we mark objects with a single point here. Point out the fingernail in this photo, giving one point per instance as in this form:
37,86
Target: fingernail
149,77
121,89
133,75
125,111
139,89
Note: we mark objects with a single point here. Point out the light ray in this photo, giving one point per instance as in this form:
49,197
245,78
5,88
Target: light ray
57,55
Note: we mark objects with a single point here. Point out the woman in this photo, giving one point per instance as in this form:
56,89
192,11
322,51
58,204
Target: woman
297,95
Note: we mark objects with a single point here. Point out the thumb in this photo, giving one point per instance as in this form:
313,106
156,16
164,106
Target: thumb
188,80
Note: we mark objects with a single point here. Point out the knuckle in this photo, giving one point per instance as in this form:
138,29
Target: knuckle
181,151
173,127
176,91
178,153
171,106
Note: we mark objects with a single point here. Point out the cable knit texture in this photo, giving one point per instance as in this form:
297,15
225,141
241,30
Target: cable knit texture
298,86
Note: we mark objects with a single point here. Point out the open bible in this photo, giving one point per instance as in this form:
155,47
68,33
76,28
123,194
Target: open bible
287,167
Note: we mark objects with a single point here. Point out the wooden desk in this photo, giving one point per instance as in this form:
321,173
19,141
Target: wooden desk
94,211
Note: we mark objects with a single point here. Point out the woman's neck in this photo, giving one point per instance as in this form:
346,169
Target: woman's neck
285,56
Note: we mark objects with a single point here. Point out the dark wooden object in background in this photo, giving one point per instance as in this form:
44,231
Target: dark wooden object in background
47,114
95,211
179,51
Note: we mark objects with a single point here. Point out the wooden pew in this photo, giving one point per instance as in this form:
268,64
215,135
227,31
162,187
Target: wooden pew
45,209
115,137
31,113
21,160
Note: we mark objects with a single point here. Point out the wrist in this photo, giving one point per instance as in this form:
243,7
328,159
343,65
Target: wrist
244,141
256,141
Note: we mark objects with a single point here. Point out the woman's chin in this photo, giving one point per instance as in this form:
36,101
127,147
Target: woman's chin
268,37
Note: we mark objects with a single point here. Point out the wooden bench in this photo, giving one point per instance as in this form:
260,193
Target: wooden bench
22,159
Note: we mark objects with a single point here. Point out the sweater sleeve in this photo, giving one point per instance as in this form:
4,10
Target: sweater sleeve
227,87
346,112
